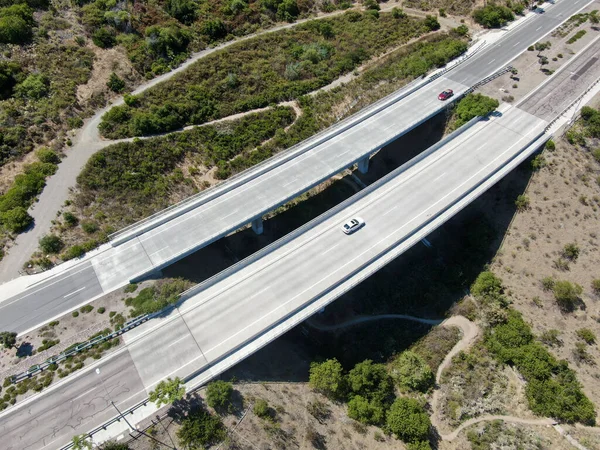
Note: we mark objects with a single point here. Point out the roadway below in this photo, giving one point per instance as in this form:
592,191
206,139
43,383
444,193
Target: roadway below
168,242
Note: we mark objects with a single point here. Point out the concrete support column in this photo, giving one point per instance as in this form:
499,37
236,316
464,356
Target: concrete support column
257,225
363,165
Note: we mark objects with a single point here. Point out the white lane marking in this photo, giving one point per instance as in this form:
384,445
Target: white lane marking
491,61
84,394
330,248
517,44
390,210
437,178
538,28
179,340
74,292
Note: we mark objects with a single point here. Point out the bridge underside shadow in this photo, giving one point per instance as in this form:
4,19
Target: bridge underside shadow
423,282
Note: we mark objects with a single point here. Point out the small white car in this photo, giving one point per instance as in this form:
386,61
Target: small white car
352,225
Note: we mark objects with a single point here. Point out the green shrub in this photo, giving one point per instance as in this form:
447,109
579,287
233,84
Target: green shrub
115,83
262,409
487,284
550,145
157,297
75,251
46,155
586,335
571,251
89,226
567,294
522,202
431,23
101,310
75,314
408,420
474,105
104,38
371,381
70,219
34,87
596,286
51,244
132,287
576,36
86,309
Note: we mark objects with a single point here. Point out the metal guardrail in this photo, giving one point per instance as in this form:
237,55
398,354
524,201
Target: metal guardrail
309,143
38,368
490,78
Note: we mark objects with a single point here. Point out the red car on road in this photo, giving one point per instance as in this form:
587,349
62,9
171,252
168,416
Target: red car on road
445,95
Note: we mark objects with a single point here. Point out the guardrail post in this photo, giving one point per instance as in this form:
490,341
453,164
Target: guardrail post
257,225
363,165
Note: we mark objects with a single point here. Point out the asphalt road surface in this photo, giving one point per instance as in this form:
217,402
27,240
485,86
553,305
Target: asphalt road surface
195,229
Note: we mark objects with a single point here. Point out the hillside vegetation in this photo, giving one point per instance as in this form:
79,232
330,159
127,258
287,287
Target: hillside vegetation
271,68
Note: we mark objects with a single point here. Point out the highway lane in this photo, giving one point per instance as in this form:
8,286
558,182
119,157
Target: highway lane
195,229
51,419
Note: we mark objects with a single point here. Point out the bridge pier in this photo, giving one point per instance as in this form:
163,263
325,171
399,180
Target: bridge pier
257,225
363,165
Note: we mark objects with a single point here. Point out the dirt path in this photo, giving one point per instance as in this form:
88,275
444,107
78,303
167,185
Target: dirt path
363,319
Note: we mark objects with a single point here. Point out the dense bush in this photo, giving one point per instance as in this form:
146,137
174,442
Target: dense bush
493,16
552,389
591,121
271,68
157,297
408,420
34,87
474,105
11,73
567,294
137,177
51,244
370,381
218,395
365,411
16,22
17,199
115,83
200,430
328,378
411,372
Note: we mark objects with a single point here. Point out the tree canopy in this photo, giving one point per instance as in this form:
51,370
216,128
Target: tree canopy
408,420
218,395
328,378
200,430
168,391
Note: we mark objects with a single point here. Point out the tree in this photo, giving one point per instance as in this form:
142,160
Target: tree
411,372
168,391
493,16
199,430
288,10
365,411
370,381
567,294
328,378
408,420
51,243
10,74
81,442
8,339
218,395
